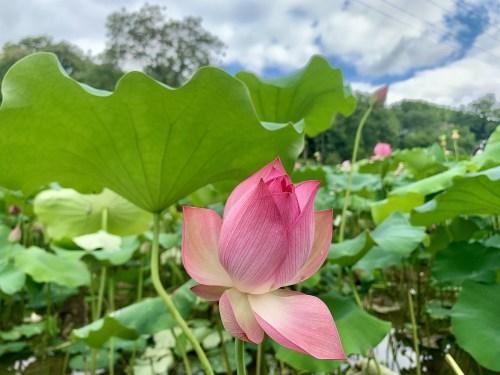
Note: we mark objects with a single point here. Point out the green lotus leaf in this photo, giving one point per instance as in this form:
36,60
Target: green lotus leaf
149,143
99,240
397,235
12,279
359,331
491,155
472,194
395,203
466,261
311,96
350,251
120,255
67,214
146,317
45,267
475,322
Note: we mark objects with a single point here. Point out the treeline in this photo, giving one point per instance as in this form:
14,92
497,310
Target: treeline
408,124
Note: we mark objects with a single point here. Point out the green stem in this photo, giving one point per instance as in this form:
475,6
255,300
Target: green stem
453,364
239,351
259,359
416,346
357,141
355,290
155,278
455,147
111,308
100,294
225,357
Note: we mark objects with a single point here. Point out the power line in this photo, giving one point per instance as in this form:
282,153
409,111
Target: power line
449,10
435,40
397,7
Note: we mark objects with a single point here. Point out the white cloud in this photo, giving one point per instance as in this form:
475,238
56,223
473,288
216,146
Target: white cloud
377,39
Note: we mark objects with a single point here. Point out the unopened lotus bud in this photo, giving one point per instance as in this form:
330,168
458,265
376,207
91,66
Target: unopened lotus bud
345,166
15,234
14,210
455,135
380,95
317,156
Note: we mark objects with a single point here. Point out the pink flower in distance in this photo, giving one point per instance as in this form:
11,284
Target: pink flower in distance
270,238
382,150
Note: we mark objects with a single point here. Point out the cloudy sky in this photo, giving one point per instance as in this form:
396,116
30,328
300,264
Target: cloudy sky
446,51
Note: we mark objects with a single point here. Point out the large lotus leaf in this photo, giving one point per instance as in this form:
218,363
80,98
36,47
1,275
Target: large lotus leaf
348,252
12,279
434,183
312,96
45,267
420,162
475,322
66,213
120,255
359,331
147,142
491,154
378,258
397,235
473,194
146,317
395,203
466,261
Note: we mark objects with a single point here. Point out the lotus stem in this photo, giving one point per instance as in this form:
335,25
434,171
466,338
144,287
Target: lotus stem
111,308
259,359
155,278
225,357
357,141
453,364
100,294
240,357
416,347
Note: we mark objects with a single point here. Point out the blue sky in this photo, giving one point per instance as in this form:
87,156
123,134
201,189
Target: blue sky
446,51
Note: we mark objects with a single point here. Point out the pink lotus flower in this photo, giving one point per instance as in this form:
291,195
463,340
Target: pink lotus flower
382,150
270,238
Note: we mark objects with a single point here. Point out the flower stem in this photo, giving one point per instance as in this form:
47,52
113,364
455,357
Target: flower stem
240,357
259,358
416,347
155,278
357,141
453,364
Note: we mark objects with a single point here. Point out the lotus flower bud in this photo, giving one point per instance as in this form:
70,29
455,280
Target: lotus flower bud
14,210
15,234
380,95
455,135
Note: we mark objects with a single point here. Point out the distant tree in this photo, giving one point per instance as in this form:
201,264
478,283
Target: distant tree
168,50
336,143
76,63
483,116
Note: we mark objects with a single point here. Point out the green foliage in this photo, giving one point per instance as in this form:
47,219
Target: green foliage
475,322
45,267
145,317
350,251
74,61
66,213
312,96
131,141
466,261
472,194
166,49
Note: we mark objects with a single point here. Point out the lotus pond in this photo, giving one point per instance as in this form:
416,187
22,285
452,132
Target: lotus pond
154,230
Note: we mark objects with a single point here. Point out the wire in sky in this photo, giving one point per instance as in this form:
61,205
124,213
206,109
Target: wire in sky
435,40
